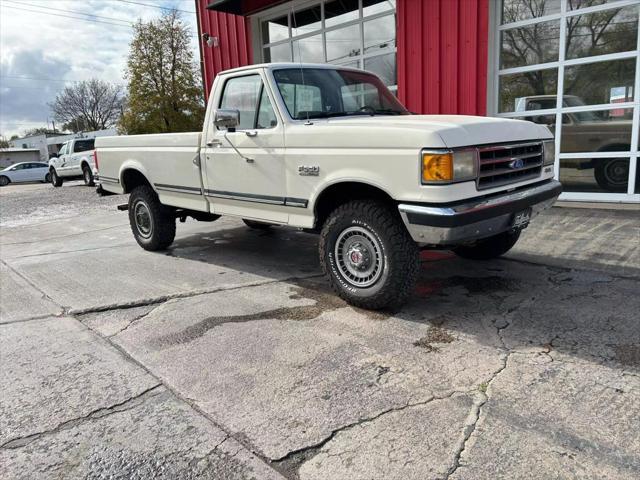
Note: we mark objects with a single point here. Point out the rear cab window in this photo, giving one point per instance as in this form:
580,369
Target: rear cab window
83,145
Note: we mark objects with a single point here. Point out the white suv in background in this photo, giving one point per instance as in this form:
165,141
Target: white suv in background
76,159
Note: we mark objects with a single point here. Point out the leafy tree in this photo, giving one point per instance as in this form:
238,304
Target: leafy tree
39,131
76,125
92,104
4,143
165,94
14,137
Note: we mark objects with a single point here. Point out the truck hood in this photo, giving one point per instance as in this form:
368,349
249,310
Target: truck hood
446,130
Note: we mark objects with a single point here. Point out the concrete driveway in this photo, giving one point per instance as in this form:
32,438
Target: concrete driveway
228,357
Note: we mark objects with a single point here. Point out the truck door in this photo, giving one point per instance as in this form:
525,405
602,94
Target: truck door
253,186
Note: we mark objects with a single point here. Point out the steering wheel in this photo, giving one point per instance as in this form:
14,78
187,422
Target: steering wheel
367,108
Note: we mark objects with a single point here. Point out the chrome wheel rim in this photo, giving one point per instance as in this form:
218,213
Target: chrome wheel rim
142,216
359,257
617,172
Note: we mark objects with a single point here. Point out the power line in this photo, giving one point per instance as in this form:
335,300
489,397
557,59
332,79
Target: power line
67,16
69,11
157,6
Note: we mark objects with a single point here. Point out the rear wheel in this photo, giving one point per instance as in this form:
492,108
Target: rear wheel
257,225
152,223
488,248
56,181
4,181
47,178
368,255
87,176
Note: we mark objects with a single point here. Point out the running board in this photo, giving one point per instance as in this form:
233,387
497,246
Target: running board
123,207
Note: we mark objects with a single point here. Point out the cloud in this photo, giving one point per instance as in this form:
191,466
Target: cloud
57,50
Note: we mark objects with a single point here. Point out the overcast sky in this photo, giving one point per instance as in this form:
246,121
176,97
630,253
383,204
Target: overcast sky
42,49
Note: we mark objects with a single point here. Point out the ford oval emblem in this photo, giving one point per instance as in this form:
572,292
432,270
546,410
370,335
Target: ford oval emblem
518,163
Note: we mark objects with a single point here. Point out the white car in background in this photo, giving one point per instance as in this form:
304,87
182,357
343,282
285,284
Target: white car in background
25,172
76,159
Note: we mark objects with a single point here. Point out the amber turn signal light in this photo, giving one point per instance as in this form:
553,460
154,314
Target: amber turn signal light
437,167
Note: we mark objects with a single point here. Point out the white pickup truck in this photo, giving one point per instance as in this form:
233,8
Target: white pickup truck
76,159
330,150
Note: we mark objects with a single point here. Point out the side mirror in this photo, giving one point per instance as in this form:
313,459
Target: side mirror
227,118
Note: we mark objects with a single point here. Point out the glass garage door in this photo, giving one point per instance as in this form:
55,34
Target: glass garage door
354,33
573,65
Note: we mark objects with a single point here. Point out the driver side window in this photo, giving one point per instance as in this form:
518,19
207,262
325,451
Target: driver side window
247,95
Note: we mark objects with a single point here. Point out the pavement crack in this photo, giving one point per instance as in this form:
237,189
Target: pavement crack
289,464
98,413
136,319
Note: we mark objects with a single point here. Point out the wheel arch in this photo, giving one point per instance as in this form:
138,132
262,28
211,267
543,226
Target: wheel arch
340,192
131,177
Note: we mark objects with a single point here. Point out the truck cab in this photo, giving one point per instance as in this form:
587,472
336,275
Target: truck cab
75,159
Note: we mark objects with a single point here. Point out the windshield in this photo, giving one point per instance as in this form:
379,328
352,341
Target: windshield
322,93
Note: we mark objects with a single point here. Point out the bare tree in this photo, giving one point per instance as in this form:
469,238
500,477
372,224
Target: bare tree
92,104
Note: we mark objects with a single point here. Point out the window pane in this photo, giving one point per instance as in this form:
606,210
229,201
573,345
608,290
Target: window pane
599,33
83,145
530,45
607,175
576,4
384,66
266,115
241,93
524,91
371,7
380,34
275,30
601,131
340,11
343,43
306,21
279,53
301,100
308,50
516,10
601,82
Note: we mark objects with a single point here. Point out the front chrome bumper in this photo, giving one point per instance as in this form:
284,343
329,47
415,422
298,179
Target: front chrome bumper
464,222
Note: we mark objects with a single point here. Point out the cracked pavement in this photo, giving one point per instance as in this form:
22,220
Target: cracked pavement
229,357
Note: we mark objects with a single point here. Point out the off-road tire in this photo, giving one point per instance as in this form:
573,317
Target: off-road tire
399,254
56,180
162,230
4,181
488,248
254,224
87,176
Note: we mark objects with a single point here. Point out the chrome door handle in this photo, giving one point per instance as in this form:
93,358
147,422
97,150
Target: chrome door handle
251,133
214,143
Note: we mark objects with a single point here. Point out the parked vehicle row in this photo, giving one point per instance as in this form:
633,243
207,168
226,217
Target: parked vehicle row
331,150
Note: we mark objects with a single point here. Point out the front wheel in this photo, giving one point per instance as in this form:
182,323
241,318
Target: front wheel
56,180
368,255
152,223
489,248
612,174
87,176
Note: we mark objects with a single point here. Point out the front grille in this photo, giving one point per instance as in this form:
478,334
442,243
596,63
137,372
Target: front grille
505,164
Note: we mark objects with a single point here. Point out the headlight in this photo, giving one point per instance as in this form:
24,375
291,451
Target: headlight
549,150
446,166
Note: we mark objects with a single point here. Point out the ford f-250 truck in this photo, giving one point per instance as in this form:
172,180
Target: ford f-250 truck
329,149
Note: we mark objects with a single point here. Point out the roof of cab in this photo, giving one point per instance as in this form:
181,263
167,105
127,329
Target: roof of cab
274,66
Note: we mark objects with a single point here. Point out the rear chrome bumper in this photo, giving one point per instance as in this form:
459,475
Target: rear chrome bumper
463,222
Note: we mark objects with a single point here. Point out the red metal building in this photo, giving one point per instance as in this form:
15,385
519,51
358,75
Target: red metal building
441,45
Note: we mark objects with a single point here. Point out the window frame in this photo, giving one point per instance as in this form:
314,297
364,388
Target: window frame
286,9
495,73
